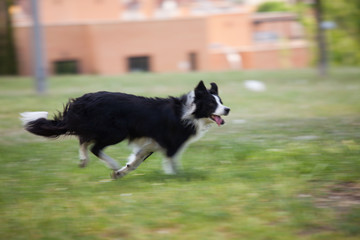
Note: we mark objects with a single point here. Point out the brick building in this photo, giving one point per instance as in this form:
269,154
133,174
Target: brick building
118,36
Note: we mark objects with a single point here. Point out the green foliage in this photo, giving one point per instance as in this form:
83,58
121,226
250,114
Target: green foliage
273,7
344,50
344,41
257,177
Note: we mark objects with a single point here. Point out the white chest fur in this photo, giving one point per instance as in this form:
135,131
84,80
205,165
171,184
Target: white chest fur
201,126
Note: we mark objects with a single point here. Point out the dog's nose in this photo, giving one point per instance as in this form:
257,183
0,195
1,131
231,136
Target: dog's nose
227,110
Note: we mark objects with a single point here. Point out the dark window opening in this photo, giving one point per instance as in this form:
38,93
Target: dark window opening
139,64
193,61
66,67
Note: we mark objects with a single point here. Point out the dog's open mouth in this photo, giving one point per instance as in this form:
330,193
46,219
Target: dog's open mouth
219,121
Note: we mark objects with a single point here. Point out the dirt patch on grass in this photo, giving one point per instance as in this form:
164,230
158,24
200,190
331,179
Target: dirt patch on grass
344,200
341,196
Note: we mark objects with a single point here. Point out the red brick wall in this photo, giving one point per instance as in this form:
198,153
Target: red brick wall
230,29
168,43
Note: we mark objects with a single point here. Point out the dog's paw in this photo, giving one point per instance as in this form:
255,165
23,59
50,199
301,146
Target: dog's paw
113,175
83,163
117,174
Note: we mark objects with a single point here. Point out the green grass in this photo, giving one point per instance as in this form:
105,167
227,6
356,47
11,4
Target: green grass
260,176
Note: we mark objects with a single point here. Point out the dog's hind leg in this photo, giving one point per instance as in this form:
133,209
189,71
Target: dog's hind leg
83,154
134,161
142,149
97,151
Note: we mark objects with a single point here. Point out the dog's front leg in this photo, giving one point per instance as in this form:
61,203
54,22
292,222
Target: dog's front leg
171,165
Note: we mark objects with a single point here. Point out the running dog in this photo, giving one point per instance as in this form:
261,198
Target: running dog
102,119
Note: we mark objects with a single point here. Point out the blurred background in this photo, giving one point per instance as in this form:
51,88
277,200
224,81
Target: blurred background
110,37
285,166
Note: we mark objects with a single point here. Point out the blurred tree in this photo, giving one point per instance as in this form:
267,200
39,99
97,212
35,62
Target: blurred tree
344,40
321,39
7,50
320,33
339,46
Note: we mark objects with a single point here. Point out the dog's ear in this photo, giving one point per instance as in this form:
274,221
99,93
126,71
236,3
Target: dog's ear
214,89
200,89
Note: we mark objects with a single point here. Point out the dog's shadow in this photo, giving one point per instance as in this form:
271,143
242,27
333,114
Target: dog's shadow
157,176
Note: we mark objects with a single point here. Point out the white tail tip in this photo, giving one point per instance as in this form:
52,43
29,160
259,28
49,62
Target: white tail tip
27,117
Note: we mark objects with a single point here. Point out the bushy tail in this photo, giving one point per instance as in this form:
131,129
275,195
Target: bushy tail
38,124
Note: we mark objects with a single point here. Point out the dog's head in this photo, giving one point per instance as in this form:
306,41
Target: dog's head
206,103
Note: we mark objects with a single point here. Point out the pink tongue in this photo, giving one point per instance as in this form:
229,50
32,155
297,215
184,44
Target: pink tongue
218,120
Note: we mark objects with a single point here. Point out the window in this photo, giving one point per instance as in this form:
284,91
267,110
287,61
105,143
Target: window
66,67
139,64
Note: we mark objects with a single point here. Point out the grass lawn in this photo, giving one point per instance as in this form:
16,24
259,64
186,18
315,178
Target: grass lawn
285,166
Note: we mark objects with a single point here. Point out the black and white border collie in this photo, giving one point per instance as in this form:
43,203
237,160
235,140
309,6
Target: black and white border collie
102,119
